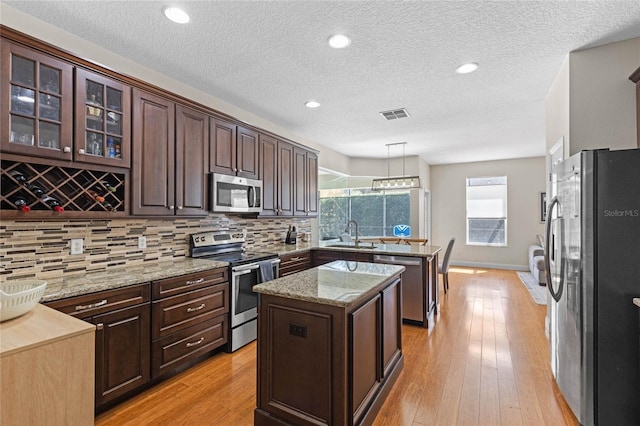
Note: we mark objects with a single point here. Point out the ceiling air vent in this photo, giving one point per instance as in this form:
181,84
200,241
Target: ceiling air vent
395,113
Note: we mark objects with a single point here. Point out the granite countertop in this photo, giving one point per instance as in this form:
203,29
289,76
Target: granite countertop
338,283
636,302
91,282
385,249
116,277
282,248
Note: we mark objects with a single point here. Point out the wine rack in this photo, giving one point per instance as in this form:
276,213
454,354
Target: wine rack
77,192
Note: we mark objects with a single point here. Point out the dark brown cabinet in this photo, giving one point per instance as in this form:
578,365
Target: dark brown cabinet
36,104
170,157
294,262
122,352
122,319
234,149
276,174
352,356
189,318
103,120
306,183
321,257
192,134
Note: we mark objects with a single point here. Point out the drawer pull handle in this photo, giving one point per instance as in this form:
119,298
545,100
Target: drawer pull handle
296,258
196,343
197,308
91,306
198,281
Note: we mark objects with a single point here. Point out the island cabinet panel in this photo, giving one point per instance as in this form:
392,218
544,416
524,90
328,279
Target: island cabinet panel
339,364
305,365
365,355
391,329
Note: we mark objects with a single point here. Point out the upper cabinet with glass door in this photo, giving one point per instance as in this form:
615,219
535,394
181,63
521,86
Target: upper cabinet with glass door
37,108
103,120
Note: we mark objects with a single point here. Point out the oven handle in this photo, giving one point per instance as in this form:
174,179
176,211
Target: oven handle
251,267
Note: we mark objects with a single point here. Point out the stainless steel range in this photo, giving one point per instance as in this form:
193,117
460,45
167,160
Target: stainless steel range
246,269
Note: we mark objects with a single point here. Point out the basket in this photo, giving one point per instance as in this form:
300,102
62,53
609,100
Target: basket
19,297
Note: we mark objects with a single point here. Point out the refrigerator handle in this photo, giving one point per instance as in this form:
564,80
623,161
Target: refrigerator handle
547,254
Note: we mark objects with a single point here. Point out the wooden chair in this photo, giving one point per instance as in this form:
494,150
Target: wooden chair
443,268
418,241
389,240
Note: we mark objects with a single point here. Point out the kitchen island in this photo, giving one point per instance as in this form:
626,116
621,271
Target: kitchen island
329,344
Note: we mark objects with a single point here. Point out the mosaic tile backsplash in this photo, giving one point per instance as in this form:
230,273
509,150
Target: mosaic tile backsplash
41,249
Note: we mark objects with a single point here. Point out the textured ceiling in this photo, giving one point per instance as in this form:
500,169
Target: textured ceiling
270,57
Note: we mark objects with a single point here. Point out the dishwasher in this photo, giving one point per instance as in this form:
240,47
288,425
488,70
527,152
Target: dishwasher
413,298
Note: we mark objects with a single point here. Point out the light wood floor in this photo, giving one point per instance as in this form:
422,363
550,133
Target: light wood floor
486,362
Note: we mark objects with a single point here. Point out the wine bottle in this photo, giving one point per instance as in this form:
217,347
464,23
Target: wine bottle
53,203
108,185
97,197
22,204
21,178
37,191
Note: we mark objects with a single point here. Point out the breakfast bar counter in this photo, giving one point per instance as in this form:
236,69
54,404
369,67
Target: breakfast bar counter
329,344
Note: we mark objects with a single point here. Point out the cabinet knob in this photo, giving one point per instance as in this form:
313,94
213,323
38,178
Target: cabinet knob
170,207
240,170
235,170
80,151
99,326
66,149
179,207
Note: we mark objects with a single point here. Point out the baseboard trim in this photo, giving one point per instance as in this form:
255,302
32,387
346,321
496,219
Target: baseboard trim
491,265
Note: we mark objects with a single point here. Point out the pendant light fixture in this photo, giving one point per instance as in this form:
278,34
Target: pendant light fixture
398,182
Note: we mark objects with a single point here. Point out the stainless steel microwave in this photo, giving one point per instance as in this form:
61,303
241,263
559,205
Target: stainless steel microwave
234,194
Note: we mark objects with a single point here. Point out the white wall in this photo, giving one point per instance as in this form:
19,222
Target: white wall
557,110
525,180
602,98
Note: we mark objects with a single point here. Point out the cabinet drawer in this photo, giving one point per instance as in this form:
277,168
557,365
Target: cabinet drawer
171,351
325,256
103,301
295,262
179,312
177,285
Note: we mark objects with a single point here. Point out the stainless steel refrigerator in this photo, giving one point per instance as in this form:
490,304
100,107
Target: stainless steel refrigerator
593,261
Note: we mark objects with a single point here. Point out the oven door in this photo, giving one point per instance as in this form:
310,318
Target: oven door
244,302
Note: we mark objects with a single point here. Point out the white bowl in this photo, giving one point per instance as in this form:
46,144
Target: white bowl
19,297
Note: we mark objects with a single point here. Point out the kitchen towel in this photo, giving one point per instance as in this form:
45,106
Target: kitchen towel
266,271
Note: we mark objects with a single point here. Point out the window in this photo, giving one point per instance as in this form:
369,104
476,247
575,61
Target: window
487,211
375,212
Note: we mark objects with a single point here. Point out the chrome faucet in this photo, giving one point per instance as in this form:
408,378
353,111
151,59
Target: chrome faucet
349,225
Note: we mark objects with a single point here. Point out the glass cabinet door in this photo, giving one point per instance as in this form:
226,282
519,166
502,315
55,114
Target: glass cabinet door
36,104
103,120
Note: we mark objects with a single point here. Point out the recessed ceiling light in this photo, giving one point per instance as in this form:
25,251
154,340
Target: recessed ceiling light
312,104
176,14
339,41
467,68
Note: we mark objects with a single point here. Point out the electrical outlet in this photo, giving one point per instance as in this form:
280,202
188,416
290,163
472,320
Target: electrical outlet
76,246
142,242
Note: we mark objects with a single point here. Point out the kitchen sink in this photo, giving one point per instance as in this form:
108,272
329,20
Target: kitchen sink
361,246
